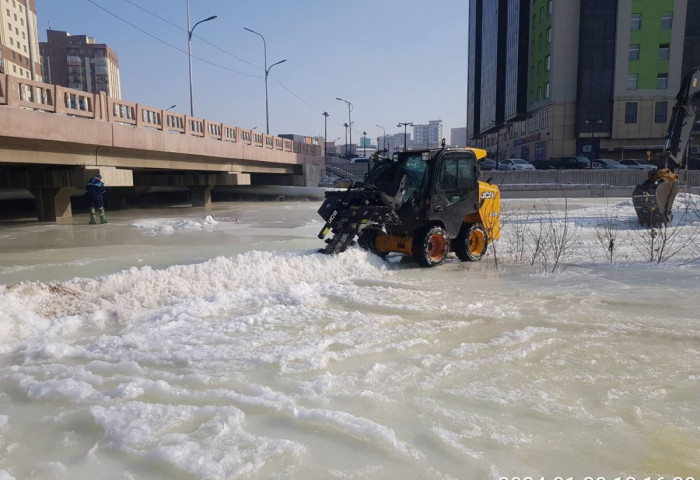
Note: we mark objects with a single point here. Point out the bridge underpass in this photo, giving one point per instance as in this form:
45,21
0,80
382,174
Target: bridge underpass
53,139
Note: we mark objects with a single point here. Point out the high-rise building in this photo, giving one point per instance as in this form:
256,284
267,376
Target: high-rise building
550,78
19,39
458,137
76,61
396,142
428,136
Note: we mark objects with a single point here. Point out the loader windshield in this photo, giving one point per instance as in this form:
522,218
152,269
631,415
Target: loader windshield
387,174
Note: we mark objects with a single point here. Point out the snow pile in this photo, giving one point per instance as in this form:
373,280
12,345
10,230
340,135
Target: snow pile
168,226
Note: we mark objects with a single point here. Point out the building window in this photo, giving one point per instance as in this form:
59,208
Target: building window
631,112
632,79
546,90
634,51
548,62
636,21
541,14
539,67
540,41
664,51
666,21
539,93
549,35
660,112
550,6
662,81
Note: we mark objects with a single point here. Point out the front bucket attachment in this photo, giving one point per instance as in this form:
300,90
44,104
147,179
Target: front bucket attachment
653,202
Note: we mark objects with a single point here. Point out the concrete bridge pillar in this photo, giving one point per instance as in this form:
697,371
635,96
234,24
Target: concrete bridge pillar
201,195
53,204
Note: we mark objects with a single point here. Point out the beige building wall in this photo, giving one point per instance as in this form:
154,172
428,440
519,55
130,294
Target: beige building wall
19,39
115,86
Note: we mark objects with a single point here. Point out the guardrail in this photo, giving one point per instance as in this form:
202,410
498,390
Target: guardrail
620,178
22,93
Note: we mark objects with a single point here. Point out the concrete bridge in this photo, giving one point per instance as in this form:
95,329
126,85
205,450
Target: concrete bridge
53,139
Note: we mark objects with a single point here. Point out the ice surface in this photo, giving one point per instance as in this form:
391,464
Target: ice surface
235,350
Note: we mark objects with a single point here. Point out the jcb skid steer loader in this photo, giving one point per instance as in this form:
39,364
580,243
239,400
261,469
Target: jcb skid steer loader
421,203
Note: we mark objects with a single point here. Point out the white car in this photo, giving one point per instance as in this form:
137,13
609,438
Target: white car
638,164
515,164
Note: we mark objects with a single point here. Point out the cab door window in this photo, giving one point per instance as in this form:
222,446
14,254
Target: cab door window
456,180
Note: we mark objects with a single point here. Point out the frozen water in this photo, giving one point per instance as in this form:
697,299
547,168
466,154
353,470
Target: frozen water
191,344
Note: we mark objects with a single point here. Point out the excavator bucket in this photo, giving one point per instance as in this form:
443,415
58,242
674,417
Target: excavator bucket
653,199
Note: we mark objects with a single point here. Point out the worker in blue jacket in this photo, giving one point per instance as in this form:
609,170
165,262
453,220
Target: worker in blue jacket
95,191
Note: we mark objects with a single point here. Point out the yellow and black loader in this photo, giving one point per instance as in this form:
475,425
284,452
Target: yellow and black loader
421,203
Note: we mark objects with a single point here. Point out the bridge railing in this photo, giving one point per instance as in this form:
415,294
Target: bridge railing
75,102
3,89
29,94
121,111
149,117
175,122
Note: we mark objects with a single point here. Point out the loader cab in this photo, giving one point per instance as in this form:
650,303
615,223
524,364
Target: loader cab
439,186
455,189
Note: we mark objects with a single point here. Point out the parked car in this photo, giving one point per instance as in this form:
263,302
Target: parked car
487,164
577,162
515,164
637,164
542,164
359,160
608,164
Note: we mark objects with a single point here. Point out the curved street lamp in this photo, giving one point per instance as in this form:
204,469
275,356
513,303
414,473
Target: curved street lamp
405,126
190,31
349,120
383,137
267,73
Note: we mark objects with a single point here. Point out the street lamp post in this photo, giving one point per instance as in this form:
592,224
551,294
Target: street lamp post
170,107
190,31
346,139
383,136
592,131
349,120
267,73
364,144
498,139
405,135
325,131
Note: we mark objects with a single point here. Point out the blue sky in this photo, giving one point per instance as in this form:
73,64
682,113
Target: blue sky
395,60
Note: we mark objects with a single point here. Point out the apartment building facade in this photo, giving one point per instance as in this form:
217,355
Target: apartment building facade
19,39
428,135
594,77
79,62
